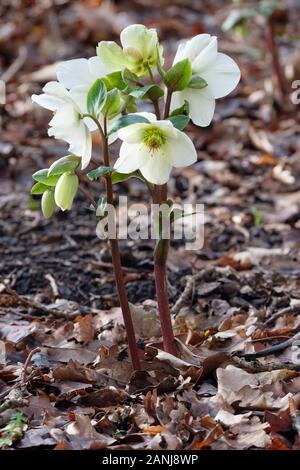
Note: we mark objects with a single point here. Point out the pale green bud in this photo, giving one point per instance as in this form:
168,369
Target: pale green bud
48,203
65,190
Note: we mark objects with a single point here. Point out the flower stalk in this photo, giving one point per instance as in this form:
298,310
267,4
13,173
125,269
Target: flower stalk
116,261
160,276
160,266
273,49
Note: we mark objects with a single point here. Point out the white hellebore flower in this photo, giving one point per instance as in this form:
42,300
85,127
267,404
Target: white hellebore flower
154,148
66,123
81,73
219,71
140,49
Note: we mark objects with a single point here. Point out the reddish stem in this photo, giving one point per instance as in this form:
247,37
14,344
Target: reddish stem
116,260
271,42
160,274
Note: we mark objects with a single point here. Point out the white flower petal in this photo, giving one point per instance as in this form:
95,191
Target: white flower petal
73,73
167,127
56,89
140,38
86,153
201,105
47,101
222,76
150,116
65,116
177,100
192,48
133,133
132,156
157,168
131,35
182,150
97,68
79,96
180,54
206,57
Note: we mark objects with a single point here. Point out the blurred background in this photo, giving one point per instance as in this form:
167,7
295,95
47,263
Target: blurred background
248,170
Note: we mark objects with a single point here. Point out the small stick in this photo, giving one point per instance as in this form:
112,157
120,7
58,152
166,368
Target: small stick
36,305
13,403
53,284
186,296
255,366
16,65
292,310
26,364
272,350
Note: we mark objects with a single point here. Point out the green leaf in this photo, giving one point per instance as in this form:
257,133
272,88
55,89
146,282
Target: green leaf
117,177
180,121
125,121
184,109
42,177
39,188
130,104
159,66
257,216
98,172
268,8
13,431
178,77
113,104
130,78
237,17
68,163
153,92
197,82
114,80
96,98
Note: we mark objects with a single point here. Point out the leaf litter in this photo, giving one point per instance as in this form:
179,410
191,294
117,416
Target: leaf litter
234,299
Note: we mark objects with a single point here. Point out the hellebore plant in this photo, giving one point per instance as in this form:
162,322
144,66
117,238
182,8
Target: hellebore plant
101,94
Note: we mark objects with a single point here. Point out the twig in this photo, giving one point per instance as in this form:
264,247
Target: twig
53,284
33,304
26,364
291,310
186,296
89,197
272,350
256,366
13,403
16,65
269,339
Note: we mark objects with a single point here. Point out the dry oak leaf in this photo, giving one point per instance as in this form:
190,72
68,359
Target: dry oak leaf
255,390
108,396
76,372
84,330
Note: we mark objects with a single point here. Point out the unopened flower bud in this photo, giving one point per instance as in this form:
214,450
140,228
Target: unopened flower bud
48,203
65,190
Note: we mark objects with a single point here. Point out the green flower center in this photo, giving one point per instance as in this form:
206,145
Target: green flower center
154,138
